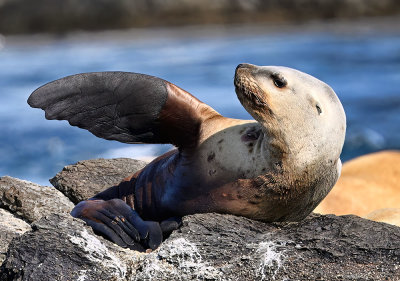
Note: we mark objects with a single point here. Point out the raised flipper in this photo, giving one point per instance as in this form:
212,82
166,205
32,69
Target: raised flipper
123,106
130,108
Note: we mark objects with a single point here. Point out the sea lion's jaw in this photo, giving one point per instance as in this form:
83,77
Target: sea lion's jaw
252,97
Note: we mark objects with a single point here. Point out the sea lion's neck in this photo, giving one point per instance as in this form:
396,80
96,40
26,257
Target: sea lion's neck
306,172
283,152
275,144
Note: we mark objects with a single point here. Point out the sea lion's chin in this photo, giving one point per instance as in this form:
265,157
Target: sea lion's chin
251,96
257,107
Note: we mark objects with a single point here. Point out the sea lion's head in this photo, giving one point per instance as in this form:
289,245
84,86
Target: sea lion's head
301,116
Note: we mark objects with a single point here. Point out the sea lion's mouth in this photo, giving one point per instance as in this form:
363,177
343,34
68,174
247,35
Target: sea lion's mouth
248,90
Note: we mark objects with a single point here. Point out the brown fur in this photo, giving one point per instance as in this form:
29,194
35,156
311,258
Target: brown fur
182,117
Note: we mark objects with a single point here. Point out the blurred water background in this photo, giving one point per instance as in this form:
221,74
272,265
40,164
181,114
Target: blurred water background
361,64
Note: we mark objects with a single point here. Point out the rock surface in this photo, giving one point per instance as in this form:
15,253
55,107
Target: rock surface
31,201
25,16
87,178
212,247
63,248
10,227
206,247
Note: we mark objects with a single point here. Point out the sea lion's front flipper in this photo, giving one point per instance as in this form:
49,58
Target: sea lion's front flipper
123,106
118,222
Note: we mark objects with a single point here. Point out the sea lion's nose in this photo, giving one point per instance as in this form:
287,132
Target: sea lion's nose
245,65
240,65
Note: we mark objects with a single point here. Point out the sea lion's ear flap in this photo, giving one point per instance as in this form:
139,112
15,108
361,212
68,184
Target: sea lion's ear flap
122,106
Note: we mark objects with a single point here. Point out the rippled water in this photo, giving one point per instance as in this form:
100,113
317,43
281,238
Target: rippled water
363,69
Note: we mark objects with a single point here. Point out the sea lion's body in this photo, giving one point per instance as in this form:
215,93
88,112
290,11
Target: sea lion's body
277,167
233,178
187,181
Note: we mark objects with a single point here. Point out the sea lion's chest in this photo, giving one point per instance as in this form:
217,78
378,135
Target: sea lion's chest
235,152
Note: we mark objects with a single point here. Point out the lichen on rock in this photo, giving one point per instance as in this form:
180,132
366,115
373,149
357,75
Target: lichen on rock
10,227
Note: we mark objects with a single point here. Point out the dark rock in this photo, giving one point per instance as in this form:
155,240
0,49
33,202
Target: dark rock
10,227
31,201
322,247
206,247
63,248
87,178
212,247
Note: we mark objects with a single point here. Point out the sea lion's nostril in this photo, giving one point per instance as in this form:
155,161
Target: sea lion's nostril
244,65
239,66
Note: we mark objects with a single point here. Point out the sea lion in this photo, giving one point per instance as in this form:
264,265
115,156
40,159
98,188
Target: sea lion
368,183
277,167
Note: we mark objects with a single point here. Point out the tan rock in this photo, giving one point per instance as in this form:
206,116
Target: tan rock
31,201
387,215
367,183
10,227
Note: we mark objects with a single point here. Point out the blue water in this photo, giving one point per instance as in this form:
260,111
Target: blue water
363,69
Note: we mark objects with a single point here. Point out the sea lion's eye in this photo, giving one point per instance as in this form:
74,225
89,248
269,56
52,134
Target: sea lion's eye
318,109
279,81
